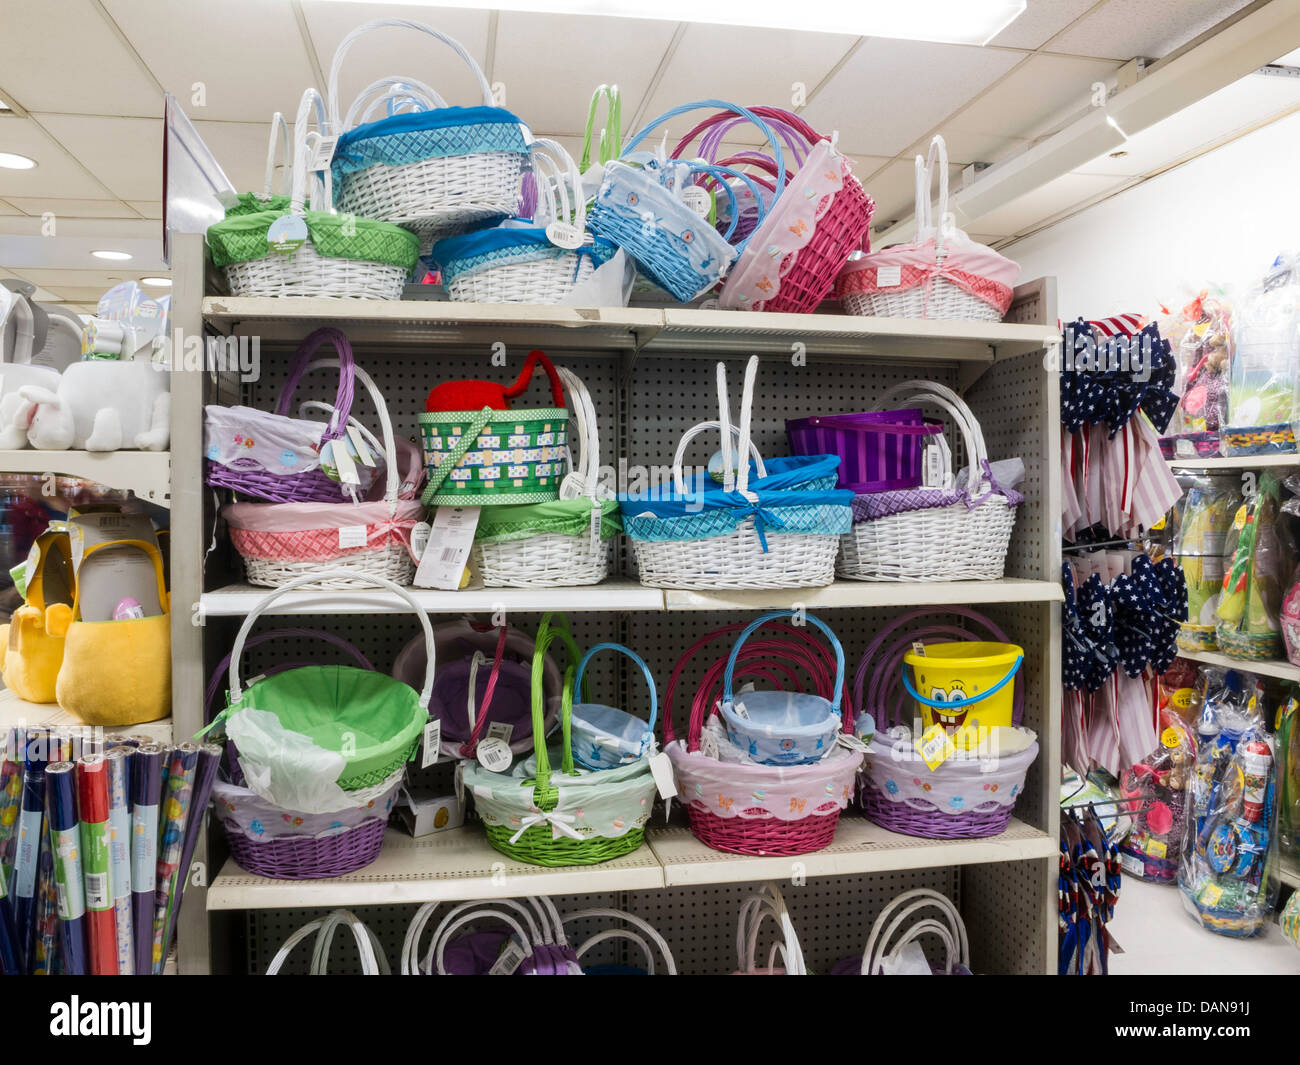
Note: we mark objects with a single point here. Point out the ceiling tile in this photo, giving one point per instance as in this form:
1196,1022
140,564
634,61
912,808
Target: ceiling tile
894,190
891,93
56,172
747,66
1044,87
1039,21
148,208
8,208
1123,29
240,149
1024,213
39,205
124,153
77,293
597,49
403,52
248,54
60,55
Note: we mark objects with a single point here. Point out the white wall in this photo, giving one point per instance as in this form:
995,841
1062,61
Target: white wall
1221,218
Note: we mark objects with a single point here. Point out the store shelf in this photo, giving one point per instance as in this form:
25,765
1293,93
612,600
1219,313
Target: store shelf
146,473
1283,669
1288,870
859,847
1237,462
871,594
16,712
457,864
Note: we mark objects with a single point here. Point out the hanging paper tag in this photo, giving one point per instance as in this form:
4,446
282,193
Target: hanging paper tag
511,957
740,711
432,743
287,234
494,754
443,560
565,235
662,770
889,276
932,467
420,538
360,446
851,742
500,730
337,462
324,153
352,536
918,648
709,744
698,200
934,747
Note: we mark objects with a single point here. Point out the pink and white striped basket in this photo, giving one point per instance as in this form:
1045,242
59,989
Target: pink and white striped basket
281,542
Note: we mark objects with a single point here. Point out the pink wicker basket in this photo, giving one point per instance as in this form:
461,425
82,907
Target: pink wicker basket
746,808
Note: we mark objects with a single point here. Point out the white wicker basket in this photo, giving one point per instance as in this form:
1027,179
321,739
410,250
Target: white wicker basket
940,543
391,561
945,301
305,273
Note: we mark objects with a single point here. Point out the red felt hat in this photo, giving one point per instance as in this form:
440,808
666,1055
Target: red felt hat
475,395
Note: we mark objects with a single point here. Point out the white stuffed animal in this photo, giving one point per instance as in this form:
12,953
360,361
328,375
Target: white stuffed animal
20,331
100,406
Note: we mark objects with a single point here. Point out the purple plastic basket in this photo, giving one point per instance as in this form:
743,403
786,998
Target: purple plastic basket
880,451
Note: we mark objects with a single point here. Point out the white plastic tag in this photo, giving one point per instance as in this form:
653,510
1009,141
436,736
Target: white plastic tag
443,560
710,305
851,742
494,754
509,960
352,536
287,234
889,276
698,200
918,648
420,538
324,153
740,711
460,782
500,730
360,446
432,743
565,235
335,453
932,468
662,770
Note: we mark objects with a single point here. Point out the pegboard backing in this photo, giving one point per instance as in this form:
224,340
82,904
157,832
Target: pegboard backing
1009,910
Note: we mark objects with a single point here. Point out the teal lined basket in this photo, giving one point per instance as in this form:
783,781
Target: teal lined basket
494,457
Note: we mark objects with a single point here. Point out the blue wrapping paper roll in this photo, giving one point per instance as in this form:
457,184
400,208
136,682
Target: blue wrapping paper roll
10,962
146,794
65,833
31,827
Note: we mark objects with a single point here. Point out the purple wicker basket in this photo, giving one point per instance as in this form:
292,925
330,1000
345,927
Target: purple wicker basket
308,857
880,451
253,479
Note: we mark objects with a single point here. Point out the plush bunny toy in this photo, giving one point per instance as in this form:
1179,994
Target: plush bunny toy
99,406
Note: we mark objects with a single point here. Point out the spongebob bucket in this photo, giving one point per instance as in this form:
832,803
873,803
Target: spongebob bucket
964,683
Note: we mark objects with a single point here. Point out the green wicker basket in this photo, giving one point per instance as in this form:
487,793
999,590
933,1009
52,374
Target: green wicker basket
575,817
1250,647
494,457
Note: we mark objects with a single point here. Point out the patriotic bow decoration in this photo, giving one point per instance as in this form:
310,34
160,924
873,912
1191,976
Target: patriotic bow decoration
1108,375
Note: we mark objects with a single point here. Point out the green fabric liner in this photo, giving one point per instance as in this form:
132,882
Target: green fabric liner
568,517
242,239
501,421
252,203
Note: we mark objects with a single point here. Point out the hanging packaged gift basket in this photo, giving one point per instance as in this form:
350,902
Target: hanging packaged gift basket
559,544
434,172
643,206
941,274
735,801
480,453
309,250
959,530
282,459
322,750
573,817
795,253
526,938
540,259
931,771
770,525
280,542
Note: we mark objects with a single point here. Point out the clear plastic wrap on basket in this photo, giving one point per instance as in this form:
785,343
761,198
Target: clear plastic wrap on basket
1249,609
1200,335
1207,510
1262,381
1155,794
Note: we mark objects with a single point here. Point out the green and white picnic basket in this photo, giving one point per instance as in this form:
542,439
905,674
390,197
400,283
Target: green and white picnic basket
572,817
563,543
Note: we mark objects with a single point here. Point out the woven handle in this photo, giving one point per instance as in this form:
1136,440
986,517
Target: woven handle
373,960
453,923
728,696
347,374
770,905
396,23
909,392
278,144
796,134
392,475
733,478
951,929
391,93
468,748
612,146
305,142
638,660
638,922
585,468
560,180
214,682
356,575
552,627
695,430
925,218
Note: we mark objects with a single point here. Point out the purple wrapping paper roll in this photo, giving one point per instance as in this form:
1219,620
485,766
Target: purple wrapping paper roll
31,829
146,793
65,833
46,955
204,775
119,849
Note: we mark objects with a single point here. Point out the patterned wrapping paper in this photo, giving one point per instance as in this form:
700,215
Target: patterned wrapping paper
171,841
11,794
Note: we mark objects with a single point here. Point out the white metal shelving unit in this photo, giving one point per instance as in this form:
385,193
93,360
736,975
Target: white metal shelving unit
1236,462
649,374
146,473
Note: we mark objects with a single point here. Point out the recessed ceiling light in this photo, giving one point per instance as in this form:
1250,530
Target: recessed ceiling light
115,256
161,282
10,161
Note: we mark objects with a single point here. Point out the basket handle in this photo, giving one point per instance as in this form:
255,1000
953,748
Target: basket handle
925,214
536,358
346,44
719,173
391,91
927,898
449,461
373,960
379,582
150,550
468,748
392,476
552,627
279,143
586,467
964,418
957,704
567,180
304,142
611,146
214,682
728,697
792,129
741,482
347,372
770,904
638,660
632,919
679,482
454,921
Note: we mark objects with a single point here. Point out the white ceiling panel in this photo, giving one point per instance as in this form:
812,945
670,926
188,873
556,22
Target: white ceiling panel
148,208
240,148
745,66
55,173
86,293
1051,199
890,93
1040,20
1123,29
124,153
551,94
1045,85
248,54
894,190
403,51
8,208
92,282
61,55
39,205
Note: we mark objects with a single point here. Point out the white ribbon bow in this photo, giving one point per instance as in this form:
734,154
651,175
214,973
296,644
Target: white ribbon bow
559,823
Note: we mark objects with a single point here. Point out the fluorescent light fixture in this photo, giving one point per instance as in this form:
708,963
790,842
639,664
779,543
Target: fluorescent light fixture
944,21
159,282
114,256
10,161
4,106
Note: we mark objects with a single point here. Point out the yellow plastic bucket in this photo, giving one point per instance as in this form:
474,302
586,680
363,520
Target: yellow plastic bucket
967,682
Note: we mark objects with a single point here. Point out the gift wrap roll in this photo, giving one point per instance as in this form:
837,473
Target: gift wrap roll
65,834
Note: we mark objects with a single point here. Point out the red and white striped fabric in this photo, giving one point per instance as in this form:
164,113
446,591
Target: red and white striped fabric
1120,325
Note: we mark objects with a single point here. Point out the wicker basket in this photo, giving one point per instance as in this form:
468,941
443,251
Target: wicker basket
532,925
933,534
781,534
767,904
572,818
434,172
1247,646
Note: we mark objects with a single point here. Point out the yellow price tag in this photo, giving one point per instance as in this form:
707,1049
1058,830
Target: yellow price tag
1156,849
1169,737
935,747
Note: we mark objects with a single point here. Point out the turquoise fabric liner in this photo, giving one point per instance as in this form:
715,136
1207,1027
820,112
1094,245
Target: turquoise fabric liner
469,253
445,131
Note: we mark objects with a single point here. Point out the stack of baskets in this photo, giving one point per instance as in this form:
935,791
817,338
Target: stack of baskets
322,751
531,941
779,530
768,774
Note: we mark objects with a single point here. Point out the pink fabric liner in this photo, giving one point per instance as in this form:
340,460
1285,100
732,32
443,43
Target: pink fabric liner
304,517
964,256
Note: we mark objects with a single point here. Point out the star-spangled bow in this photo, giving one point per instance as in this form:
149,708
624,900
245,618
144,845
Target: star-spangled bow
1099,385
1149,607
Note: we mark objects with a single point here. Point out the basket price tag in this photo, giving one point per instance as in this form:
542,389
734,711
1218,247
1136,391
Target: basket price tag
889,276
844,739
352,536
287,234
360,446
740,711
500,730
336,461
662,770
494,754
324,153
934,747
443,560
698,200
510,958
565,235
432,743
